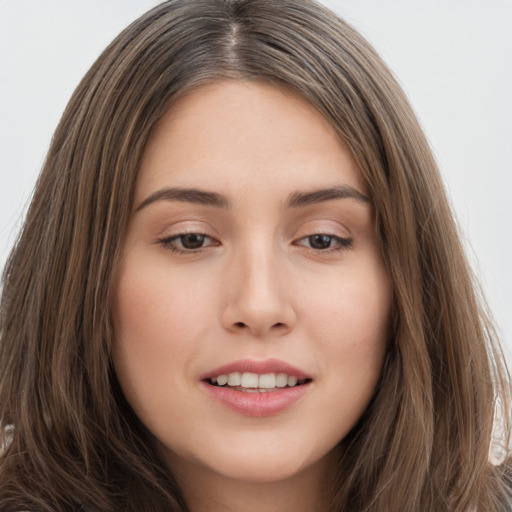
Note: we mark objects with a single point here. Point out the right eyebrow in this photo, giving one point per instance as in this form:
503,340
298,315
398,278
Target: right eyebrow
188,195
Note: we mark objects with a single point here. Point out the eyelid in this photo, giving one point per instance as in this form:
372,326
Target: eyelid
340,235
323,226
167,243
342,243
168,237
184,225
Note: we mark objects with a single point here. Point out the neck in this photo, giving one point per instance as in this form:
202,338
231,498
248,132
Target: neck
307,491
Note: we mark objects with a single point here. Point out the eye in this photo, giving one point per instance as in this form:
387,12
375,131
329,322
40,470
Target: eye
324,242
187,242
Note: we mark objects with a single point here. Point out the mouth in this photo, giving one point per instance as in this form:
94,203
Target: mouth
257,388
250,382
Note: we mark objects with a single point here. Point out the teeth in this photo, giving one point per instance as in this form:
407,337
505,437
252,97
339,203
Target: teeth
234,379
222,380
281,380
254,381
292,381
249,380
267,380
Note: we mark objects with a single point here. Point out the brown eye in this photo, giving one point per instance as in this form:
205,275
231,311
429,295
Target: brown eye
187,242
320,241
324,242
192,241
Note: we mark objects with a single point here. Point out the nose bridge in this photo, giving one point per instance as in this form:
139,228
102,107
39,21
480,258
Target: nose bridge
260,285
258,297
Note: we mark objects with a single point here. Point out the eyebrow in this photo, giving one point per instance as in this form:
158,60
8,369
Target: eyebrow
187,195
295,200
299,199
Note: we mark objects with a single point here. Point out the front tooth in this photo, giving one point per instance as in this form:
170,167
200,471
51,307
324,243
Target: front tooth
281,380
267,380
234,379
292,381
249,380
222,380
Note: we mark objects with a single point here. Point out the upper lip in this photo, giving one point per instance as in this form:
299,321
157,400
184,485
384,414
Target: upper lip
259,367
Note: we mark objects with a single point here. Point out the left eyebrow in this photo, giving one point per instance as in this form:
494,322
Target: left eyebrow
299,199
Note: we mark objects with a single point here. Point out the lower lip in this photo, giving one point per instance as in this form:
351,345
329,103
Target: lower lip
268,403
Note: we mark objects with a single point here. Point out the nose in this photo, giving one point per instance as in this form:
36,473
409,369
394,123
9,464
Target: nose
258,298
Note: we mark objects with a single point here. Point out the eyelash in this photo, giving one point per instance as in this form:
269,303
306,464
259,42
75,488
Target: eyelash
167,243
341,243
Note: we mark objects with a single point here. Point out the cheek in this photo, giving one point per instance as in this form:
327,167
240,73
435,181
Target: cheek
349,318
157,305
159,318
346,318
354,306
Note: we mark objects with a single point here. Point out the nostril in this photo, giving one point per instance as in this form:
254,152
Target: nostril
278,327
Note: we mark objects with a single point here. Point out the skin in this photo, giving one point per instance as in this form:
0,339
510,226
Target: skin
257,288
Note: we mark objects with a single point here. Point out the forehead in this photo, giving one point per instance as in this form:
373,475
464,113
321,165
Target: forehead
236,133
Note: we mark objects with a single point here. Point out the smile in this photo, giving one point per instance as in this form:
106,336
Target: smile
257,388
252,382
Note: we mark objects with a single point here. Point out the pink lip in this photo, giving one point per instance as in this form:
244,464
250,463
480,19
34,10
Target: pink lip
257,404
259,367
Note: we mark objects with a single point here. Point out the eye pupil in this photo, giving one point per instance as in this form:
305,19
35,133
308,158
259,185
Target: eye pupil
192,241
320,241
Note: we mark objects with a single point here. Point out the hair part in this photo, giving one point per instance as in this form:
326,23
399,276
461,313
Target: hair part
69,436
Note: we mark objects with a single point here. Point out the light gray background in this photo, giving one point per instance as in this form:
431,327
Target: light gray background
453,57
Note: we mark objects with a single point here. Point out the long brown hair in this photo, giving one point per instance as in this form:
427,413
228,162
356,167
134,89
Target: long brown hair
68,436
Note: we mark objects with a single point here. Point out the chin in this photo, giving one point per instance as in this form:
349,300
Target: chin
261,471
258,463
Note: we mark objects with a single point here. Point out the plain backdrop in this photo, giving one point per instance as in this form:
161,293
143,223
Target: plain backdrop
453,58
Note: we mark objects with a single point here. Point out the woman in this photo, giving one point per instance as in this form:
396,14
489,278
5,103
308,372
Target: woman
239,286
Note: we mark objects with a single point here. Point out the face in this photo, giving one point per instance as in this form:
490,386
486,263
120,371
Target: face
251,257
